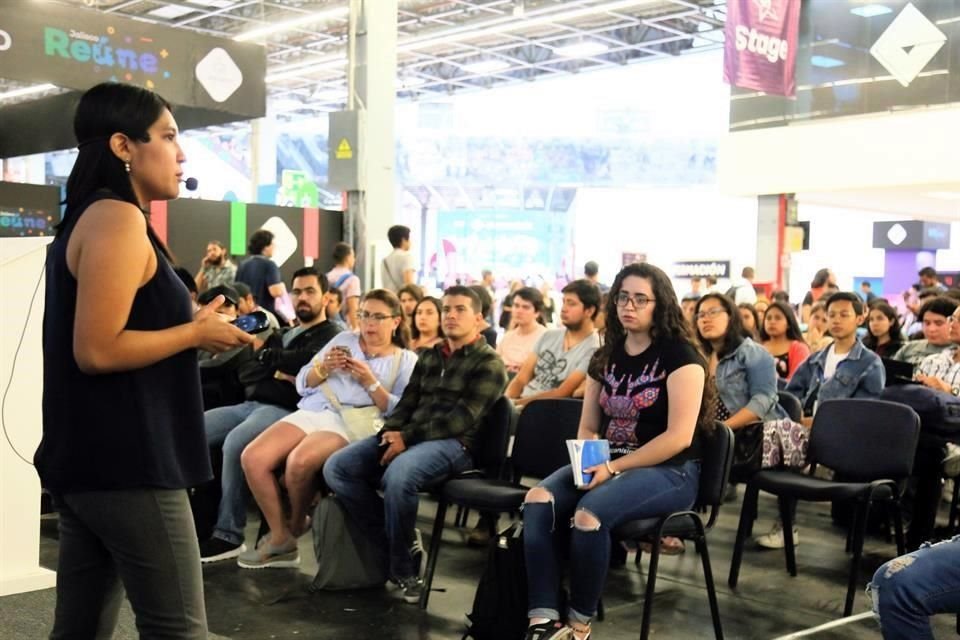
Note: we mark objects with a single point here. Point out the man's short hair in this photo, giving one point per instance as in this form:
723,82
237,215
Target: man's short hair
397,234
485,273
260,240
485,300
928,292
591,268
460,290
747,272
306,272
711,280
927,272
187,279
587,292
242,289
850,297
866,283
229,294
335,292
341,251
941,305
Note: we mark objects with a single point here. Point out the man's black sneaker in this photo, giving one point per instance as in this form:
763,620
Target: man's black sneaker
214,549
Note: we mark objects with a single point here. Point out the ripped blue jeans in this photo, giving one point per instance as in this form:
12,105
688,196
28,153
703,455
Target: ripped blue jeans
909,589
549,532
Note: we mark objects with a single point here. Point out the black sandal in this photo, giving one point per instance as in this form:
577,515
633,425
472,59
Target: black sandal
550,630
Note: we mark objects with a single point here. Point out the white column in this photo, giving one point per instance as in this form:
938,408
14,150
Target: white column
21,262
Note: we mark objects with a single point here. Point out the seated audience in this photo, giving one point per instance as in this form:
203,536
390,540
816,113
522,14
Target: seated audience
687,306
190,284
941,371
517,343
558,363
426,330
487,330
246,304
914,327
506,307
819,287
761,306
909,589
334,309
780,296
883,329
368,368
780,336
934,316
230,299
749,321
429,435
645,396
816,336
845,369
270,394
410,295
215,268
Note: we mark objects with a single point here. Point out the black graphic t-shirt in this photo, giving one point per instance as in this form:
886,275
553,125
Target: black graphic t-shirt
633,396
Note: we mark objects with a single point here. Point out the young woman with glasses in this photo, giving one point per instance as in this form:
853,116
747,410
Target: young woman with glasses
371,367
645,395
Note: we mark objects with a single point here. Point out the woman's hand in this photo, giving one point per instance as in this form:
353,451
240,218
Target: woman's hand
215,332
360,371
600,475
335,359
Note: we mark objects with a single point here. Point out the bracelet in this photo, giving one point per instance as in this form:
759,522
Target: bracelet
321,372
610,468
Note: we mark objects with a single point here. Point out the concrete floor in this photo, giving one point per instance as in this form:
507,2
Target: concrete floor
268,604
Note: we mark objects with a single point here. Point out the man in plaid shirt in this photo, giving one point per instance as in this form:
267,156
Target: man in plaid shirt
429,435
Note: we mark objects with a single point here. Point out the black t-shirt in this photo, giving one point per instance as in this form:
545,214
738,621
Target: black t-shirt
260,273
633,396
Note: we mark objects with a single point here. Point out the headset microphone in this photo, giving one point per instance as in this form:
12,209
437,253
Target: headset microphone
190,184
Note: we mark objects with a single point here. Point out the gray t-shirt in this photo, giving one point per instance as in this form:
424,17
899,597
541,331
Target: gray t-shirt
392,268
554,365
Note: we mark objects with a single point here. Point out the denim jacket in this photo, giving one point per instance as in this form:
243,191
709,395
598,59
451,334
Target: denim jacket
747,377
860,375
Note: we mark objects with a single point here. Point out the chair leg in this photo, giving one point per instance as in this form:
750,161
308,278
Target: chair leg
954,506
894,507
435,538
863,509
651,587
786,519
701,543
749,507
601,612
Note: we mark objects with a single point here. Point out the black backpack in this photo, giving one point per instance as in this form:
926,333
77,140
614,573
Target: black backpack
732,292
500,604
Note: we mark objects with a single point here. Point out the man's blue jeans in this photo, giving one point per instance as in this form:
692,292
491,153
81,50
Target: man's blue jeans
640,493
233,428
908,590
354,474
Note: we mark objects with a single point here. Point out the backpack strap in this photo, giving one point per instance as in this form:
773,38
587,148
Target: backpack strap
342,279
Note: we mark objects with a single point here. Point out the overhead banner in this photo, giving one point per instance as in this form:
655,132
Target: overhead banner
78,48
760,49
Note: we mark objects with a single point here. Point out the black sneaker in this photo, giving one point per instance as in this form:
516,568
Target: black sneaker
214,549
412,589
552,630
416,552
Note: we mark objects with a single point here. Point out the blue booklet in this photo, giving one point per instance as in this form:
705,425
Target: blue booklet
585,454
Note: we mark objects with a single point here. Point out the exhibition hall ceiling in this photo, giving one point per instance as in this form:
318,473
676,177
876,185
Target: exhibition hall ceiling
444,46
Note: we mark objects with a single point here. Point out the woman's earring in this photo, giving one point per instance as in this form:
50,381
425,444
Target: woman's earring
126,165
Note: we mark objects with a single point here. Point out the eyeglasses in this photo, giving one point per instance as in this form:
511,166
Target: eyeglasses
709,313
374,317
639,300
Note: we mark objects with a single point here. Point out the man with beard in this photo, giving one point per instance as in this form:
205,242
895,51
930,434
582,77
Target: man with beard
270,395
216,268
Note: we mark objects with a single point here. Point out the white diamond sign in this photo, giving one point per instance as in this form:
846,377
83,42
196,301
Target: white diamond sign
896,234
908,45
219,74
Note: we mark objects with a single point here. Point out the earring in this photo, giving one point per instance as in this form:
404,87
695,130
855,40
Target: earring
126,165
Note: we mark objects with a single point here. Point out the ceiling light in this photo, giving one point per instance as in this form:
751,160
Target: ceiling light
871,10
26,91
170,12
408,82
944,195
299,69
287,25
486,66
826,62
585,49
329,95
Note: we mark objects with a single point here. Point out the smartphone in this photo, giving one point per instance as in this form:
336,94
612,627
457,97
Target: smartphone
345,350
253,323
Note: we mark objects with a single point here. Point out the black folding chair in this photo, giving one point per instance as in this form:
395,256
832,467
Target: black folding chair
539,449
791,404
869,442
716,459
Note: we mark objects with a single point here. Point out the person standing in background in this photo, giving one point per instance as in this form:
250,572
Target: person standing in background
262,274
398,268
216,267
343,278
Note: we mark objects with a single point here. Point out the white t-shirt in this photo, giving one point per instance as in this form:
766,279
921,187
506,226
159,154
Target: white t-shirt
554,365
833,359
393,267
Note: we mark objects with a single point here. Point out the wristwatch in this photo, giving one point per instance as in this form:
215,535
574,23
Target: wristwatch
374,386
955,390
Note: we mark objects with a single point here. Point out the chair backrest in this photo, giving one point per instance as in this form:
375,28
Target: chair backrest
540,447
865,439
716,459
490,453
791,404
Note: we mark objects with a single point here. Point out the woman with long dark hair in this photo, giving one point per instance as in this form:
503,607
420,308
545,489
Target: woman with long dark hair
780,335
369,368
884,336
645,394
749,320
426,329
123,429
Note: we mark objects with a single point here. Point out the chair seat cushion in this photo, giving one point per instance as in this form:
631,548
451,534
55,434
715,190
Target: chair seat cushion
680,527
811,489
477,493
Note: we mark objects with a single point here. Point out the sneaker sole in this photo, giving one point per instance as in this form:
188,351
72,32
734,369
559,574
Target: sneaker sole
272,564
226,555
411,599
796,543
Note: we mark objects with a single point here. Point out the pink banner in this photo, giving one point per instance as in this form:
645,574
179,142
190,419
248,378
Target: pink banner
760,51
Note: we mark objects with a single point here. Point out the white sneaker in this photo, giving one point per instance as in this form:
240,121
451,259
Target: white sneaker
774,539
